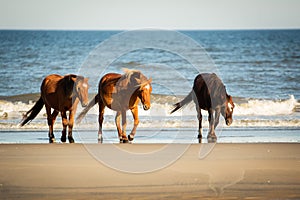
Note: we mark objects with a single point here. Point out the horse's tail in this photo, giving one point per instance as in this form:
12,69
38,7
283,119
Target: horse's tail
184,102
93,102
33,112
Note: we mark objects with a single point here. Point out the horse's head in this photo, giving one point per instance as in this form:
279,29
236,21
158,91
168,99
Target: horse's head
144,93
140,84
81,89
227,110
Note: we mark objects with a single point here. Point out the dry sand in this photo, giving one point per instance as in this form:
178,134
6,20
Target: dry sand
223,171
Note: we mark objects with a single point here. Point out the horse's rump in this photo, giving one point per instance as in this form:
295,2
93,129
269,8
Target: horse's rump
209,90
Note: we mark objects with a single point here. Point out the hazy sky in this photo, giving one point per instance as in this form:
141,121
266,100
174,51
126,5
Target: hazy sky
136,14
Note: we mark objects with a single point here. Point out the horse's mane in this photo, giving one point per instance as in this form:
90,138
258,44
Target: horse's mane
68,83
129,72
133,77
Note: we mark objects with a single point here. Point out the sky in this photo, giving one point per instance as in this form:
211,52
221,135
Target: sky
160,14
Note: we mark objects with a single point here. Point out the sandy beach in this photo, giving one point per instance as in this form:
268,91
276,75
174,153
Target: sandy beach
202,171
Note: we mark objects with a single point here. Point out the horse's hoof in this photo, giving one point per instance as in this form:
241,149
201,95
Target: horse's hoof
63,139
130,138
211,138
51,140
125,141
71,140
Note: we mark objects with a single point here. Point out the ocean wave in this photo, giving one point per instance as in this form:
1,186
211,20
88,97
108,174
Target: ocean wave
13,106
267,107
248,112
243,106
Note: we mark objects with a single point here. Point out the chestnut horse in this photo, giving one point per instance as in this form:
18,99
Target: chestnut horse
121,93
62,93
209,93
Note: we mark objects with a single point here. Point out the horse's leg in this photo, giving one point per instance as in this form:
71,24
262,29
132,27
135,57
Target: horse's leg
199,116
117,121
135,115
211,134
71,120
100,120
54,115
50,124
124,136
65,124
70,125
217,117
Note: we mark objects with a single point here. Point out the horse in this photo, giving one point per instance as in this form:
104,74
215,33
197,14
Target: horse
209,93
62,94
121,93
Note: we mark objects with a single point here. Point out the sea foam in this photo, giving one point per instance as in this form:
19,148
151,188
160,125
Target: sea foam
247,112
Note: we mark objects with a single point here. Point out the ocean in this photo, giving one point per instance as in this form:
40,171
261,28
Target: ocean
260,69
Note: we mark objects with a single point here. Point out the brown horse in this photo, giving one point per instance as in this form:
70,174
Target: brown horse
209,93
121,93
62,93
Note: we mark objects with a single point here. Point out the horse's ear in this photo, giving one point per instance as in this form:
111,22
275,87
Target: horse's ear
71,78
145,83
228,97
150,80
138,80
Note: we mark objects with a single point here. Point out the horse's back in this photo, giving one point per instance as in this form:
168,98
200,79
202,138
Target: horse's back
49,84
207,77
53,78
209,90
109,78
202,83
52,92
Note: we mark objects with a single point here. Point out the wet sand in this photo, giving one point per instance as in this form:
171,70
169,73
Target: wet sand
154,171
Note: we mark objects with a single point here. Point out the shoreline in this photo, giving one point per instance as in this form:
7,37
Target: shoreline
157,135
224,171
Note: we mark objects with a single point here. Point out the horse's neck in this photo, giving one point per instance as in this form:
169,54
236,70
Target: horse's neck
123,84
67,88
125,94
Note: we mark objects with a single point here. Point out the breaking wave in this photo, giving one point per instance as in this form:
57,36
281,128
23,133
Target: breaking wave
248,112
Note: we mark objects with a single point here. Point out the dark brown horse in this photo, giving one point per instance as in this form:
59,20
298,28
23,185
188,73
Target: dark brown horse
121,93
62,93
209,93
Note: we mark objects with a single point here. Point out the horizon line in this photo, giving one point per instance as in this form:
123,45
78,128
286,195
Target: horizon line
137,29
